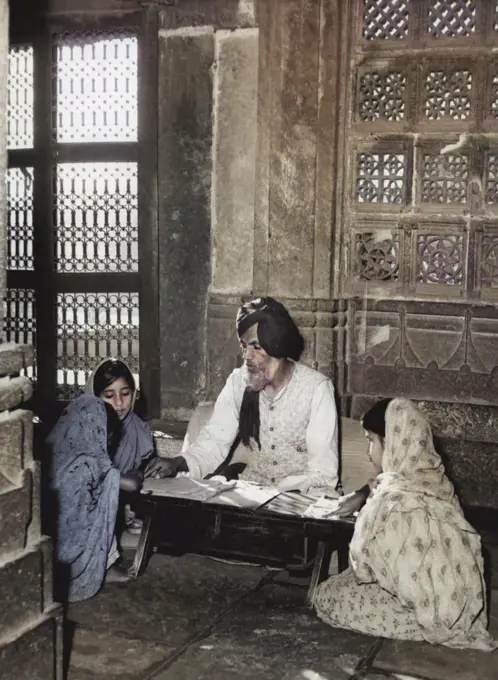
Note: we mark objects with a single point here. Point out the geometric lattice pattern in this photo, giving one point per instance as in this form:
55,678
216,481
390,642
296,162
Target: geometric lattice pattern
445,178
91,327
96,97
20,320
20,219
96,216
382,96
489,261
440,259
491,174
380,178
377,259
452,18
385,19
20,98
447,95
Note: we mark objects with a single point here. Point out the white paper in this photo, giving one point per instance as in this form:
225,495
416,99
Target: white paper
185,487
246,495
323,508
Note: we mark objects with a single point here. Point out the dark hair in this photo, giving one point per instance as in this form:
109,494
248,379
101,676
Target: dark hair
279,336
114,430
374,420
108,372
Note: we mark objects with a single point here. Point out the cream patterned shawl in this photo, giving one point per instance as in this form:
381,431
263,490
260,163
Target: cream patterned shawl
412,539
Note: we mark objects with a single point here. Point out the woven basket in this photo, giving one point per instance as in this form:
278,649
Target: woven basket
166,446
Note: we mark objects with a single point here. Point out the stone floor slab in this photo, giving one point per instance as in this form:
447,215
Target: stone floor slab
270,636
104,656
174,600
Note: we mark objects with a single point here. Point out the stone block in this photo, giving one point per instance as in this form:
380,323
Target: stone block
465,421
16,443
473,468
21,588
14,391
15,516
33,655
14,358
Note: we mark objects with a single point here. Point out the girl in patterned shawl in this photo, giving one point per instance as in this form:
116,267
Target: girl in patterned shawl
416,568
85,488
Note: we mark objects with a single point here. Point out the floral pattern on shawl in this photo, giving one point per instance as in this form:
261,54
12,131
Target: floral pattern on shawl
87,491
416,564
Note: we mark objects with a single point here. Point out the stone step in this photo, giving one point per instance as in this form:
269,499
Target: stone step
14,358
15,516
22,583
33,654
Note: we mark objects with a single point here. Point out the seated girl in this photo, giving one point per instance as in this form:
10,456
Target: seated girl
85,486
416,568
113,382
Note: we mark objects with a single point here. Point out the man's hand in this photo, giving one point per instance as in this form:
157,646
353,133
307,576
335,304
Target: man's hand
159,468
131,481
350,504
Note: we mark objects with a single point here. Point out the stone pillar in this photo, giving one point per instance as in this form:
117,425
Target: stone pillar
186,58
30,628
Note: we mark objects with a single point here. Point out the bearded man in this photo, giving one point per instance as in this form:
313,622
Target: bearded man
283,412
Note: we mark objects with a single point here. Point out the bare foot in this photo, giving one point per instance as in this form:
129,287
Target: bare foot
117,574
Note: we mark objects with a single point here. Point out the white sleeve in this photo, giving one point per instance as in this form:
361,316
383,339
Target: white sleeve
321,438
215,439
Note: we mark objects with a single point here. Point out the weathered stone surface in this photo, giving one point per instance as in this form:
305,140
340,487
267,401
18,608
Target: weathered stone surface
32,655
466,421
473,468
15,516
271,636
16,442
14,391
14,358
234,157
21,592
185,171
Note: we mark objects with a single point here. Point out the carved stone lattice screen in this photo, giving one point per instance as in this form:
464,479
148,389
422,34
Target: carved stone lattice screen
422,200
64,239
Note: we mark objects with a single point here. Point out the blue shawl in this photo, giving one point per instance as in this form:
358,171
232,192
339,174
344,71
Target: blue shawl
87,490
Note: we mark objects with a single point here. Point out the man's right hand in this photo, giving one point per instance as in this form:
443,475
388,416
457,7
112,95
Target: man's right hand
350,504
158,468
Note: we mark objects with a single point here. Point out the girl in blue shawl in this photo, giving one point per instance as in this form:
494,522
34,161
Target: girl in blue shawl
85,486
